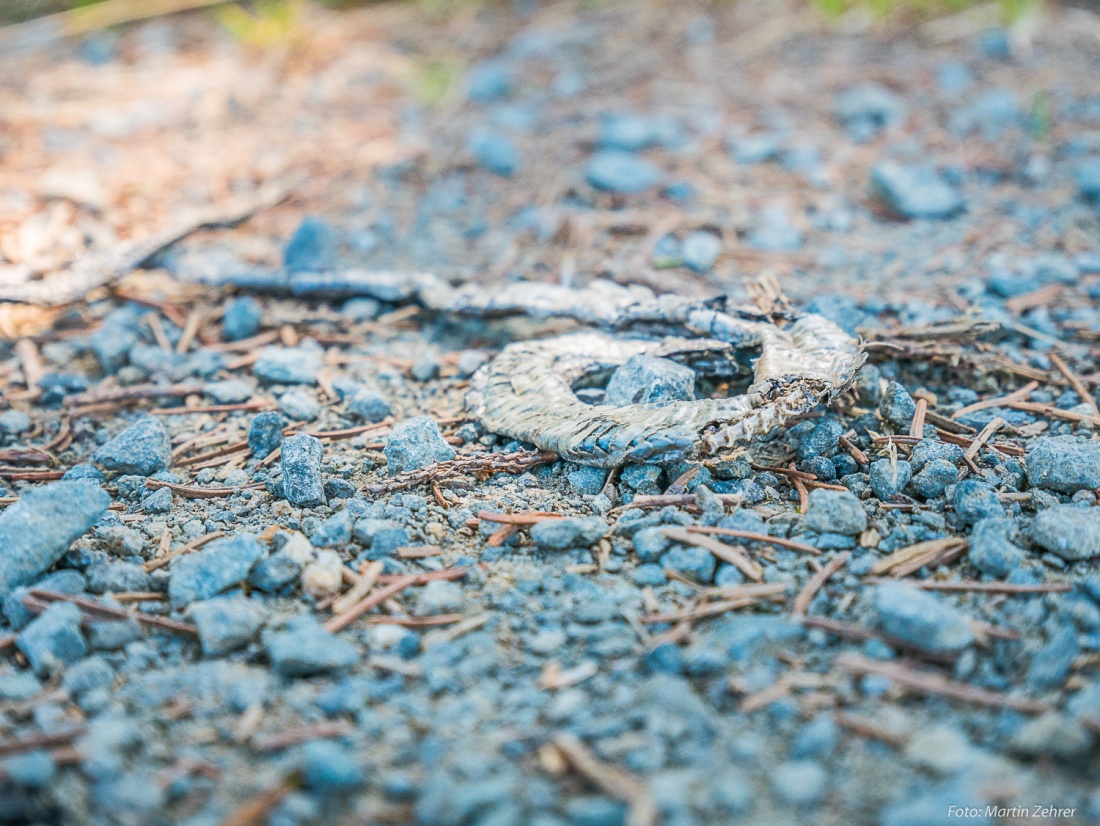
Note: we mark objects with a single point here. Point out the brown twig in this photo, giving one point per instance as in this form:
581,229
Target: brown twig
914,557
986,587
853,451
1000,401
40,741
1075,382
481,464
189,492
928,682
857,633
193,545
609,779
806,596
106,612
756,537
916,429
727,553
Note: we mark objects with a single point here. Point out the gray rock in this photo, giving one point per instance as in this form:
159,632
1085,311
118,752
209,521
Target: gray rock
368,404
439,597
694,563
562,534
1051,664
300,461
90,674
226,623
312,247
818,738
265,433
1064,464
31,769
934,479
18,685
648,380
835,511
334,531
299,404
330,768
928,450
651,543
159,501
1069,531
53,640
867,109
587,480
141,449
1052,735
274,573
888,478
495,152
14,422
116,577
700,250
590,810
915,191
975,500
824,436
920,618
306,649
288,365
230,391
897,406
993,548
620,172
800,782
1088,179
114,636
207,572
37,530
415,443
242,318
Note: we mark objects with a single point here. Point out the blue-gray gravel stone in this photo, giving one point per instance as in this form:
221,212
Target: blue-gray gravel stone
37,530
288,365
835,511
800,782
975,500
306,648
651,543
274,573
213,569
695,563
920,618
888,478
415,443
159,501
116,576
620,172
1063,464
368,404
265,433
897,406
328,767
226,623
312,247
649,380
915,191
142,449
53,639
700,250
934,479
300,461
573,532
31,769
867,109
1071,532
587,480
242,318
993,549
495,153
824,436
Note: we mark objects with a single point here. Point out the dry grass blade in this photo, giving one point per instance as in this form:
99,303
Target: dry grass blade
359,590
193,545
1075,382
256,810
984,587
